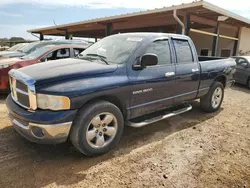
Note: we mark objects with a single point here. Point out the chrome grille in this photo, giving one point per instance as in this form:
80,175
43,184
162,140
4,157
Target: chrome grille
22,92
24,99
21,86
19,93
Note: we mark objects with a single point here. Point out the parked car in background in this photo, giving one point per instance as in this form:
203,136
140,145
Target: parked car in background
4,48
132,79
43,54
242,74
34,45
17,47
13,48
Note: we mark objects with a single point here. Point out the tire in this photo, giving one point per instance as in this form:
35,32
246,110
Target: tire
90,123
208,101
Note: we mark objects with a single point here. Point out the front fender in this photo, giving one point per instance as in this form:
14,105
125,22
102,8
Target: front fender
81,90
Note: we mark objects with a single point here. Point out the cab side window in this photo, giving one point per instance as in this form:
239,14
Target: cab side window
183,51
62,53
57,54
162,50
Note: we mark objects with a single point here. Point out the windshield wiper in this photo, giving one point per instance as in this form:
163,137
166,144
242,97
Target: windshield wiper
84,57
101,57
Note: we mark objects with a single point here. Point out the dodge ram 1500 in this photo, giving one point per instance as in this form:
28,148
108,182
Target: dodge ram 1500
132,79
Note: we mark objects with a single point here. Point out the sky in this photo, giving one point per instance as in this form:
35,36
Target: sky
17,16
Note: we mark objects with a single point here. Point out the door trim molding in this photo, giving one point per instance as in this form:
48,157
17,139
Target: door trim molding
160,100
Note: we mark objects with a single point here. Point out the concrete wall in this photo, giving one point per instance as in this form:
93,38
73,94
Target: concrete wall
202,41
244,41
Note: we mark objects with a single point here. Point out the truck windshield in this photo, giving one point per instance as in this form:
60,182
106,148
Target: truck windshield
114,49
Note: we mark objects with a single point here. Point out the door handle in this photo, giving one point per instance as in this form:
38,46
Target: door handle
169,74
195,70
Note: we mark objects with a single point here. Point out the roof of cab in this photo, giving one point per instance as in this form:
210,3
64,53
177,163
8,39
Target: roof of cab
153,34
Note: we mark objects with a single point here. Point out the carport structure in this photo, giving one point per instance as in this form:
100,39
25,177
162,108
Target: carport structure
195,19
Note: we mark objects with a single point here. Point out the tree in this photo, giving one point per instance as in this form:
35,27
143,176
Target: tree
16,39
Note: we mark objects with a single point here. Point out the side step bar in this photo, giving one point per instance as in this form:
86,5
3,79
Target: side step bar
159,118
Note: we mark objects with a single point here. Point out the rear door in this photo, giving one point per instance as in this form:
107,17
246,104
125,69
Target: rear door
152,87
187,71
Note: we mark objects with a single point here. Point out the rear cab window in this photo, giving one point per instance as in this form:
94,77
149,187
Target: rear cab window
58,54
183,51
63,53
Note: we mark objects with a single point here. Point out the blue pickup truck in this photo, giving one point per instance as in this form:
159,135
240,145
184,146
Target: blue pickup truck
132,79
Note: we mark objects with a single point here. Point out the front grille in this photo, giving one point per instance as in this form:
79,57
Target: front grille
23,89
21,86
20,93
23,99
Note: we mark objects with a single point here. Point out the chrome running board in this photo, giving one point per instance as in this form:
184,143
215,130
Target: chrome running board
159,118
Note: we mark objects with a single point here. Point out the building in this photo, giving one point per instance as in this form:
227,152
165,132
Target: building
214,30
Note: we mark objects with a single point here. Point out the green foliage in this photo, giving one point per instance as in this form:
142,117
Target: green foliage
11,41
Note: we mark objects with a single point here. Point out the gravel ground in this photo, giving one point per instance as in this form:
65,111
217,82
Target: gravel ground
191,150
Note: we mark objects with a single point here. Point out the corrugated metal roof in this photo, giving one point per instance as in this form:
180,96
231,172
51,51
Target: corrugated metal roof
203,4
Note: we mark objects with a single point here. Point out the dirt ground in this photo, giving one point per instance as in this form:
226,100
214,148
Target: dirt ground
191,150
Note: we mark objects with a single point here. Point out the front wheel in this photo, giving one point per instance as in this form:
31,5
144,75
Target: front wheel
212,101
97,128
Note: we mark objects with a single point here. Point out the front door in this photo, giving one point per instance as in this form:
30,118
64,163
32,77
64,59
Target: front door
152,87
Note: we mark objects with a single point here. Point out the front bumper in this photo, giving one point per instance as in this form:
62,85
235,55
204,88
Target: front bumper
41,126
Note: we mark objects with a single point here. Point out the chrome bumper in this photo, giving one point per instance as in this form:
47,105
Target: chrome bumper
40,133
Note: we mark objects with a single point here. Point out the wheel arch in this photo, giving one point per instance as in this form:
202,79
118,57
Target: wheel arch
112,99
222,79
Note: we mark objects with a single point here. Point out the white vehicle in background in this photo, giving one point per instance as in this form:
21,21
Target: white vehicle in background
17,46
7,50
2,48
13,48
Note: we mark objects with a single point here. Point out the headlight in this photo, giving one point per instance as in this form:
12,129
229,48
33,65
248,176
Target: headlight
53,102
4,66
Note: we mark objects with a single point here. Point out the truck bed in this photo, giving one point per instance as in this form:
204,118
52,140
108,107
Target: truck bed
210,67
209,58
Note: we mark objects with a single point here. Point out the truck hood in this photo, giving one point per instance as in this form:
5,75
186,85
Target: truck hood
12,54
64,69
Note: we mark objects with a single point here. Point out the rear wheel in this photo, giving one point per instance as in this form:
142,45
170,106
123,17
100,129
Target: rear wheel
97,128
212,101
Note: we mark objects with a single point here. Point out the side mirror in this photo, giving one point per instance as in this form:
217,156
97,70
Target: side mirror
245,64
146,60
43,59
